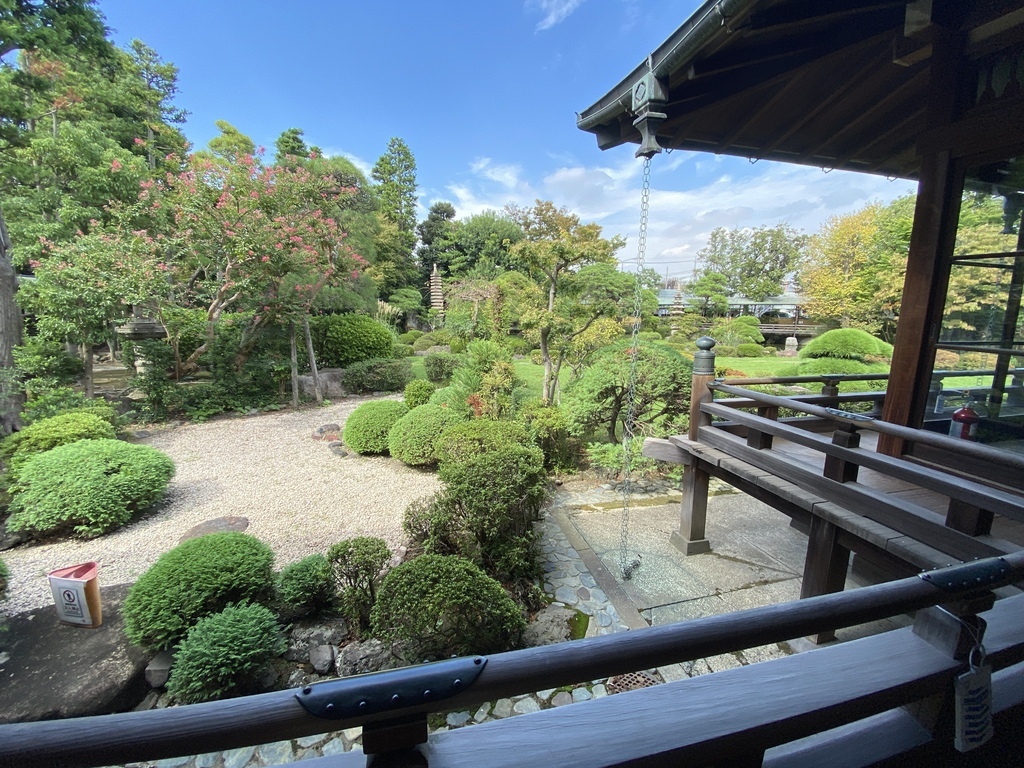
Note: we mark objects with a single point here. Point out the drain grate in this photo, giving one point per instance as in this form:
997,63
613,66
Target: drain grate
630,682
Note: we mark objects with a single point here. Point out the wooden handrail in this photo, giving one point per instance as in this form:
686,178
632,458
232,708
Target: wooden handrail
200,728
823,377
923,437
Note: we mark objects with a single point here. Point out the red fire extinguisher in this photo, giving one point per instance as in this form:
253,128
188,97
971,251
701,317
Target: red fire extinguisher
965,420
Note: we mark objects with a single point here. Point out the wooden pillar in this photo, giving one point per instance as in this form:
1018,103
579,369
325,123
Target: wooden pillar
690,539
931,241
825,566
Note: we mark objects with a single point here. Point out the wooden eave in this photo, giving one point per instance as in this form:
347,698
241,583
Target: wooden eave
828,83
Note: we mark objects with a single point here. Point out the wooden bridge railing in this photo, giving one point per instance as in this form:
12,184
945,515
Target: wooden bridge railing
743,716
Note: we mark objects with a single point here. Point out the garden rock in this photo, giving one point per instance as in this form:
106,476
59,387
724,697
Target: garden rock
11,539
367,656
329,432
550,626
322,658
307,635
331,382
53,670
158,671
338,448
216,525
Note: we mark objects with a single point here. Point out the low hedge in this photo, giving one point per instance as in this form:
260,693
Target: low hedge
378,375
414,438
435,606
440,366
224,654
367,428
88,487
197,578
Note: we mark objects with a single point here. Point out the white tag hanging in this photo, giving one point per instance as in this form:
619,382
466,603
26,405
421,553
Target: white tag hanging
973,696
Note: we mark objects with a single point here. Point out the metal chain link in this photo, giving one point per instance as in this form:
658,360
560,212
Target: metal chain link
628,569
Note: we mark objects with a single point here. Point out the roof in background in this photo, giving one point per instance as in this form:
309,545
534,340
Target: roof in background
829,83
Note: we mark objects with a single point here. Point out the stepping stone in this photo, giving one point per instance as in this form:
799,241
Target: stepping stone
217,525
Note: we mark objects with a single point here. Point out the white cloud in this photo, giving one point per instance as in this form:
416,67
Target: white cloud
363,166
506,175
555,11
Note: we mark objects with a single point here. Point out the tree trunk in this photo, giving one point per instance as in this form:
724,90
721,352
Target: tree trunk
294,364
545,356
317,390
11,396
86,352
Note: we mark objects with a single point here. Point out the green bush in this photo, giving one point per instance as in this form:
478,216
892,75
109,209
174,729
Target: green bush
610,458
435,606
649,336
749,350
409,337
61,400
46,364
469,438
495,496
428,340
403,350
5,579
378,375
457,345
224,654
366,429
848,344
418,392
440,366
548,430
733,331
452,399
356,564
537,357
414,438
197,578
516,345
88,487
306,586
340,340
50,433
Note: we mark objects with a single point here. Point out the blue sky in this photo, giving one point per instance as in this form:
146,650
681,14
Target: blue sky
485,93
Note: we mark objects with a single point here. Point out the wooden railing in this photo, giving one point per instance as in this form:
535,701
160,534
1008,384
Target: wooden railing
743,716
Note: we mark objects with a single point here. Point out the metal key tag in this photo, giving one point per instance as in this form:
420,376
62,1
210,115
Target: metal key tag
973,696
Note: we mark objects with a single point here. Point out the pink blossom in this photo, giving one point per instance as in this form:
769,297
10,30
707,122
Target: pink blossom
265,259
139,141
115,165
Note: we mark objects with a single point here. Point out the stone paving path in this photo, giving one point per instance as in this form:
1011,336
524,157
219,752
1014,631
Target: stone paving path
566,579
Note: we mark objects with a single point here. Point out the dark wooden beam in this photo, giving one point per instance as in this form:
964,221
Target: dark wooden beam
897,129
797,14
742,126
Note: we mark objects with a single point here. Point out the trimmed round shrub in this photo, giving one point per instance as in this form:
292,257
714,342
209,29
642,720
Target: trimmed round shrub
340,340
516,345
825,366
197,578
418,392
457,345
50,433
403,350
435,606
409,337
470,438
378,375
536,357
428,340
749,350
5,579
440,366
61,400
306,587
356,565
414,438
848,344
367,428
224,654
88,487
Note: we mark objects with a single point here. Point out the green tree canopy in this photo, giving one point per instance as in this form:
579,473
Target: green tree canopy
754,261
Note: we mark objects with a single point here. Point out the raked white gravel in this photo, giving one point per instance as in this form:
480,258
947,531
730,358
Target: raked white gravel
299,498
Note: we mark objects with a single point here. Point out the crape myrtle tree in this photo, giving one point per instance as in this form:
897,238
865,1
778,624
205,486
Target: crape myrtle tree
577,281
242,236
76,114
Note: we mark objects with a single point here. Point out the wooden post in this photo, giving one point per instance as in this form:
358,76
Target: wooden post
968,518
690,538
830,387
825,566
841,470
